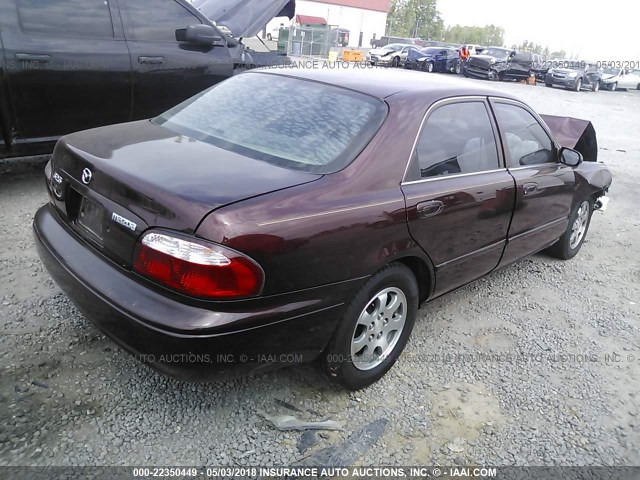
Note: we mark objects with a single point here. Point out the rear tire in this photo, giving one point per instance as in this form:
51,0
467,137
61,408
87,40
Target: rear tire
269,37
365,345
549,85
571,241
595,87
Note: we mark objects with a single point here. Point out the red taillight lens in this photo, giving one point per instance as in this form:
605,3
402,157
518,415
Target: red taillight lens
197,269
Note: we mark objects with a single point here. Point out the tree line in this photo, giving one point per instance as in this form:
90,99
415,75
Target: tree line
421,19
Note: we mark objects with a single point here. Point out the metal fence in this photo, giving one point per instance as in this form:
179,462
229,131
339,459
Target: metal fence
307,41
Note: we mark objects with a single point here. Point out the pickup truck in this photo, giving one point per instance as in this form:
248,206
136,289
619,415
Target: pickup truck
69,65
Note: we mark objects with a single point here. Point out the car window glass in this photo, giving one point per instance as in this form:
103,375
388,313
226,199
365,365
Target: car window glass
70,18
320,129
526,140
155,20
457,138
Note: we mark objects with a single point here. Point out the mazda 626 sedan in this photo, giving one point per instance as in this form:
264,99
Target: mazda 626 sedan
285,216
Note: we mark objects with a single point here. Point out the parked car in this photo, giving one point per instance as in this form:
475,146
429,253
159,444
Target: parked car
620,78
473,49
434,59
482,66
385,41
65,68
190,238
394,54
502,64
574,75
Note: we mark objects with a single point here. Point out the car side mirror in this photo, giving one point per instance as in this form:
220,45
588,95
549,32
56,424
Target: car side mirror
204,35
570,157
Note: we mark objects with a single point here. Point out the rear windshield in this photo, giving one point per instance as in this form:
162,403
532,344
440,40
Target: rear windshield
293,123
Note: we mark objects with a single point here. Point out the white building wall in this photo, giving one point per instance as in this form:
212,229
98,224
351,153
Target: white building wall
355,19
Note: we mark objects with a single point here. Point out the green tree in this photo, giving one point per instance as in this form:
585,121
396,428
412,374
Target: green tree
558,54
487,35
415,19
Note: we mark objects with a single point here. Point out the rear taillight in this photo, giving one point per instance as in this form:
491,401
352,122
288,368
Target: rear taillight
196,268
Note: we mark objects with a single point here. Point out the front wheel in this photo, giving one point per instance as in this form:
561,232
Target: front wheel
571,241
269,37
614,86
430,67
578,86
396,62
595,87
374,329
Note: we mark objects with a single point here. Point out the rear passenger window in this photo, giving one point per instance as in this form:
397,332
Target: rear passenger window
155,20
456,139
526,141
68,18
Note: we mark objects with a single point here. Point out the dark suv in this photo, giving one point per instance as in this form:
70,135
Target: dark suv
574,75
68,65
497,63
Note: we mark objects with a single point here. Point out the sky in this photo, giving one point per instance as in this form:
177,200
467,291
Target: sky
590,29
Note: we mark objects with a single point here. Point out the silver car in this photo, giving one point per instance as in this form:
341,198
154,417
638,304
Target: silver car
394,54
623,78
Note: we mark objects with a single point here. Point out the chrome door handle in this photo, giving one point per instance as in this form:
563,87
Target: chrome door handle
151,60
529,188
33,57
430,208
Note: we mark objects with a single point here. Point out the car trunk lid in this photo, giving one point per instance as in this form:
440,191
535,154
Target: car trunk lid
143,175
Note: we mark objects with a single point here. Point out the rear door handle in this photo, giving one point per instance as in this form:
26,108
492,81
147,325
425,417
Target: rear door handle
33,57
151,60
529,188
430,208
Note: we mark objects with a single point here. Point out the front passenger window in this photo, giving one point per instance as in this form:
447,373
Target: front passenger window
457,138
155,20
526,141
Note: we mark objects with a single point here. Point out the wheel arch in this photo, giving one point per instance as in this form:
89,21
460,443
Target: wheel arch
424,272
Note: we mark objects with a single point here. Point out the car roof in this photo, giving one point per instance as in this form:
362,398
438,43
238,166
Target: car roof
385,82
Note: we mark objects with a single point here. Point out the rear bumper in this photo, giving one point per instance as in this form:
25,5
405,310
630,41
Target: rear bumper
185,339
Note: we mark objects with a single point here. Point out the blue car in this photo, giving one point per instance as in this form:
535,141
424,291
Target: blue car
434,59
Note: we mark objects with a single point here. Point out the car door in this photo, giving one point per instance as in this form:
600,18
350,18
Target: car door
519,65
440,60
545,187
70,67
629,79
165,71
459,196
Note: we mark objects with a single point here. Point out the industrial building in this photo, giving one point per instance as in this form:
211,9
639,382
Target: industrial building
363,18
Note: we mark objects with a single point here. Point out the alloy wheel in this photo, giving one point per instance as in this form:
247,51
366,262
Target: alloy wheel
378,328
579,226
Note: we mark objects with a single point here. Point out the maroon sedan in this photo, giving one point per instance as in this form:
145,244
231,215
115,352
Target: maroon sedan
285,216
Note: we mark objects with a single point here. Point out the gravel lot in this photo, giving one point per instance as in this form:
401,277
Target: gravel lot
69,396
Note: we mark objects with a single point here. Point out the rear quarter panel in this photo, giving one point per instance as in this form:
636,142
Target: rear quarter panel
344,226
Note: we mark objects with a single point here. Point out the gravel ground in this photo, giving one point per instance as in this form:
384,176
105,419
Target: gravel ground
511,370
